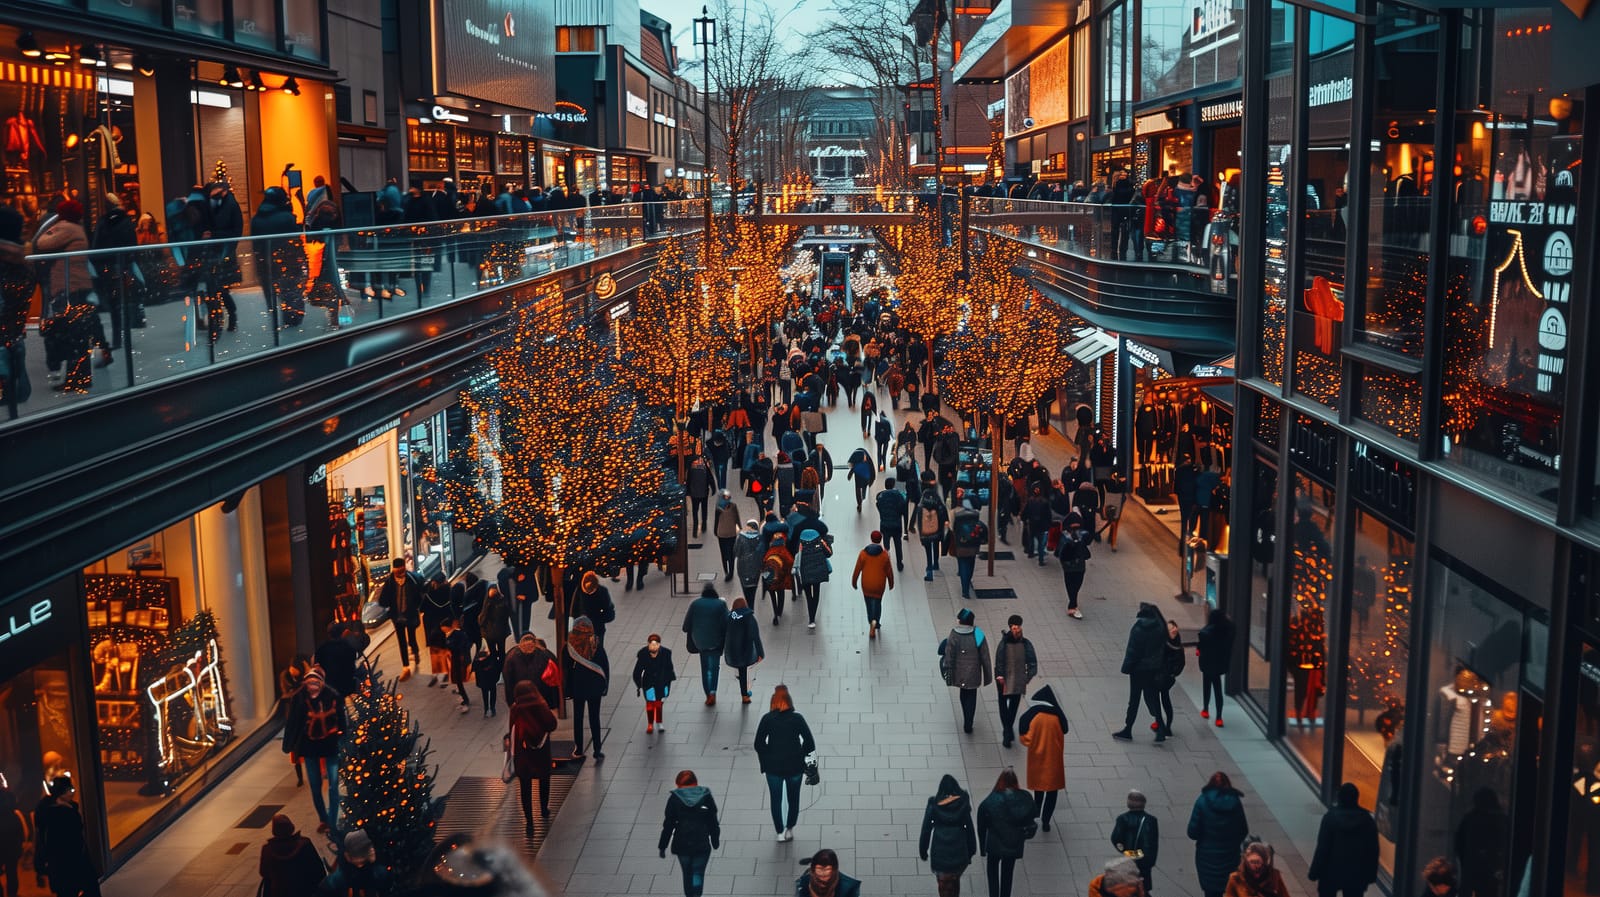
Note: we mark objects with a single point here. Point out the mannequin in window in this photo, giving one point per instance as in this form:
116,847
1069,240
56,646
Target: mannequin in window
1306,657
1459,710
1144,428
22,138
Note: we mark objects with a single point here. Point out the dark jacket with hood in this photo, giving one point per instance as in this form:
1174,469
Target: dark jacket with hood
275,214
1001,817
654,672
964,653
1217,827
782,742
597,606
690,824
891,512
811,565
1147,642
290,867
1043,701
747,553
706,622
949,839
1216,644
742,647
1347,846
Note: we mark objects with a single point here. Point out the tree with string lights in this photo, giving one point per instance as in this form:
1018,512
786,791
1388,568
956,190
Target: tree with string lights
928,281
388,784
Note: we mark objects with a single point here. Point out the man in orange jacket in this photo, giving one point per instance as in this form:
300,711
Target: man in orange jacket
874,574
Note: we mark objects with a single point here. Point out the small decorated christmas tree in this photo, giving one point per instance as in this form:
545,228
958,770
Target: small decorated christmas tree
219,174
388,785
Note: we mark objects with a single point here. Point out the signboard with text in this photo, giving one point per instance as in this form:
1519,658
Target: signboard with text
498,51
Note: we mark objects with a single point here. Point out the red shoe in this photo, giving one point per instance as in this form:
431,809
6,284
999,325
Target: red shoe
1219,722
1153,726
649,728
1205,714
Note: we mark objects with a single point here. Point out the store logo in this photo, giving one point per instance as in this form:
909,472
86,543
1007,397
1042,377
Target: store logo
638,106
1143,353
18,623
606,286
489,36
1339,90
440,113
1211,18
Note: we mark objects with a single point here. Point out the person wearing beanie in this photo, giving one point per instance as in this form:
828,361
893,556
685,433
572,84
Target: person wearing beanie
594,601
1346,858
1138,835
823,878
653,675
1120,878
1015,665
964,663
706,624
1256,875
311,731
290,864
812,568
873,575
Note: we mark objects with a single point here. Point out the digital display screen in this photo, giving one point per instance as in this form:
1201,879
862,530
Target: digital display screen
498,51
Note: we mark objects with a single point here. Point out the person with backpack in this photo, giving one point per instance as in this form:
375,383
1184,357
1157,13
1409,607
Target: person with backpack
1005,823
1138,835
706,624
691,829
932,518
290,865
863,473
948,841
777,574
812,568
1073,550
964,663
1042,729
968,533
873,576
747,559
653,675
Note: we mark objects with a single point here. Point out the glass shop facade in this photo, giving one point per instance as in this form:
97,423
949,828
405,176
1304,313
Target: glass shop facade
1415,565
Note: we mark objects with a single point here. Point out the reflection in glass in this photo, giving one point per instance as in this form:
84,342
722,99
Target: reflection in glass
1310,587
1277,228
1583,832
1391,400
1116,72
1263,578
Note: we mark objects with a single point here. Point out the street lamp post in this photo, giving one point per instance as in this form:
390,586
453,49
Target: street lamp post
705,37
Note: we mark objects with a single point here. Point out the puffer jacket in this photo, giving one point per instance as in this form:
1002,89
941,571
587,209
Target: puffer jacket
949,839
811,565
1146,644
1001,817
741,645
65,276
747,558
1217,826
690,825
968,658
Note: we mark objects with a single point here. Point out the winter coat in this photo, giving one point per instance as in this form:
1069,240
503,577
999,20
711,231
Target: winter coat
726,524
654,672
690,824
874,572
804,518
597,606
811,564
583,682
747,558
781,563
1217,826
275,215
891,512
1146,643
782,742
1347,849
699,481
742,647
290,867
1172,661
706,622
962,524
65,275
526,666
1042,729
1138,830
1238,886
314,725
494,619
1016,675
1216,647
402,599
1001,817
532,722
848,887
949,840
967,658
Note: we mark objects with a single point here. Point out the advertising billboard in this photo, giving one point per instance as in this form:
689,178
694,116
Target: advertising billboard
498,51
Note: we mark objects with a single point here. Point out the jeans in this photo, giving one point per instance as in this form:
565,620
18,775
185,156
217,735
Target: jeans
694,872
883,454
744,681
861,492
1001,870
318,769
776,786
579,706
874,609
1139,685
1009,704
1211,683
710,667
1038,541
965,567
1044,805
404,634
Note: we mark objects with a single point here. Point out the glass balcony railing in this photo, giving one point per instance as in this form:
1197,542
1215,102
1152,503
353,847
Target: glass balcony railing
1197,238
113,320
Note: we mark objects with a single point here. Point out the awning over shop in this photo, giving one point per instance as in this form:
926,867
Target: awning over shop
1014,32
1089,344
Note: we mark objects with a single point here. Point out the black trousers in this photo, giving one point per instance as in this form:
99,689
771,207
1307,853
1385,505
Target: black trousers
1141,685
1044,805
1074,583
525,792
1211,683
579,705
1001,870
697,512
1009,704
898,542
725,546
969,707
406,634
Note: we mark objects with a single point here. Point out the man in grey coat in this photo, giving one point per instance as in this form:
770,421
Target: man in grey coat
964,661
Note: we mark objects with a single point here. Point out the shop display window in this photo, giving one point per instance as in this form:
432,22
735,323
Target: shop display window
427,148
424,465
1471,722
361,488
1583,830
39,741
1263,578
199,17
587,172
1379,640
1281,176
179,659
1511,270
146,11
1311,581
302,23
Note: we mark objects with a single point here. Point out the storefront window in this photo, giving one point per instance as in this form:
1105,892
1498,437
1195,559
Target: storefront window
1583,832
199,17
363,487
1391,400
1263,578
1510,274
1185,45
1281,180
1116,72
302,22
146,11
180,656
40,741
1471,724
255,23
1319,311
1379,640
424,455
1311,536
587,171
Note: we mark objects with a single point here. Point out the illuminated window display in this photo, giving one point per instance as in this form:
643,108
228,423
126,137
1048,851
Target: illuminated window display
363,486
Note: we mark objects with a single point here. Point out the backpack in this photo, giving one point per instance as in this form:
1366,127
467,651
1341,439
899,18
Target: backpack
928,521
883,431
977,534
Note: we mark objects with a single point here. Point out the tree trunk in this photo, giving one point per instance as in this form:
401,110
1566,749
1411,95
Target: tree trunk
558,575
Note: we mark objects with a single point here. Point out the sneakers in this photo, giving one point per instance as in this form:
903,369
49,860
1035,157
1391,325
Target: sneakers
927,577
1075,614
811,625
661,727
788,835
405,673
711,700
776,620
873,632
1161,735
746,698
432,681
649,728
1219,722
1205,714
1123,734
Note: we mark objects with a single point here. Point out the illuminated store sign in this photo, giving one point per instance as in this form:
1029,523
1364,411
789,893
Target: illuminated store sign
441,113
1339,90
18,622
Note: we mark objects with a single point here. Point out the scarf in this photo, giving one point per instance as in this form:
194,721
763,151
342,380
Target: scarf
581,646
818,889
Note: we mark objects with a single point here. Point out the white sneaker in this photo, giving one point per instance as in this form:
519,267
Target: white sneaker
811,626
780,839
661,727
1075,614
788,834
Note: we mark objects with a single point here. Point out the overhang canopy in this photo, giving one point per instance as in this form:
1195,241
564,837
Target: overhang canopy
1013,33
1090,343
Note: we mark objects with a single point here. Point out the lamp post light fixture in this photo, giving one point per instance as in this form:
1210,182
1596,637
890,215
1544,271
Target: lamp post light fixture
705,37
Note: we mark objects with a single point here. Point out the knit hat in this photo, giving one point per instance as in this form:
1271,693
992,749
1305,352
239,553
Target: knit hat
357,846
71,209
1014,620
282,826
966,617
1136,799
877,537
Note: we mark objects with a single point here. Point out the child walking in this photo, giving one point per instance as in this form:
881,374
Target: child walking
653,675
486,672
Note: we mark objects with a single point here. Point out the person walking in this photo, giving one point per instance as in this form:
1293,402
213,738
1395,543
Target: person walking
873,575
653,675
1215,652
706,624
1137,835
747,559
1256,875
932,519
437,608
782,742
891,504
822,878
1217,825
1015,665
691,829
883,435
588,678
1042,729
494,623
698,483
863,473
1345,862
593,600
1005,822
401,596
311,731
741,646
949,840
531,661
1073,551
812,568
61,849
1172,663
968,533
528,742
777,574
1141,663
1036,520
725,526
486,672
290,865
459,643
964,663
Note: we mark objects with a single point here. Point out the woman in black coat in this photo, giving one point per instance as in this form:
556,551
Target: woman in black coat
1217,826
741,645
782,742
588,678
692,830
1002,819
1172,663
1215,652
948,840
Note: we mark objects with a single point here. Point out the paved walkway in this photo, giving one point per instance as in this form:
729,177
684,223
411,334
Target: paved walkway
886,725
